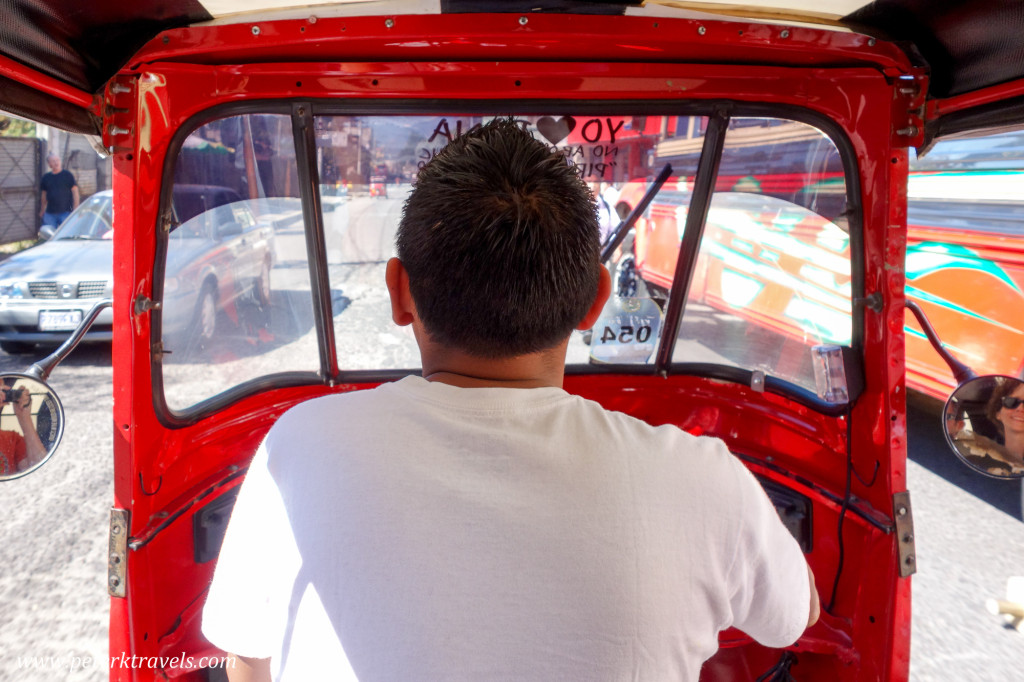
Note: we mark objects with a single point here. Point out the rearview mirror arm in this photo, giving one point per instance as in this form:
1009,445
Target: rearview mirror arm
961,372
41,370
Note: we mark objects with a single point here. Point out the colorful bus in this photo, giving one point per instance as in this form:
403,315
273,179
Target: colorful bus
964,263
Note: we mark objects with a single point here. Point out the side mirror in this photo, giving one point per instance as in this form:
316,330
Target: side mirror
984,421
31,414
31,424
46,232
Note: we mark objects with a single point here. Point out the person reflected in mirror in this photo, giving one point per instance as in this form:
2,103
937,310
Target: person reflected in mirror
479,522
1006,410
1002,455
19,451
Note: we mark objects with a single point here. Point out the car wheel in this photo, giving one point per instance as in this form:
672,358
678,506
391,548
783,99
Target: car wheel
262,287
204,321
16,347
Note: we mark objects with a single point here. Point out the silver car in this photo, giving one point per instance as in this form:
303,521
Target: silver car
218,252
45,290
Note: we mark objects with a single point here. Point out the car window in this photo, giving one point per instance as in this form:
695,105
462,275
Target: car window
773,276
237,303
93,219
367,166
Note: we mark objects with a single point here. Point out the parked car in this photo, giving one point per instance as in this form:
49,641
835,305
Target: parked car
218,252
46,289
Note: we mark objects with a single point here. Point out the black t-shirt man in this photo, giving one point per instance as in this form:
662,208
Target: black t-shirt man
58,186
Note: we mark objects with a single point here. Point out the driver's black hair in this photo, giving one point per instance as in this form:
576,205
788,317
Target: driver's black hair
500,240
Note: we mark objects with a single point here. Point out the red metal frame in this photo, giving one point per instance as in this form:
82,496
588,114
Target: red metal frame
47,84
159,471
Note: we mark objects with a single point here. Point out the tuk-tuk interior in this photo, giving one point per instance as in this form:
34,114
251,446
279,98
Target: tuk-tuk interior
776,324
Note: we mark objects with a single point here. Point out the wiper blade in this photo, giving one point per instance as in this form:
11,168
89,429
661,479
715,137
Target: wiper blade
620,232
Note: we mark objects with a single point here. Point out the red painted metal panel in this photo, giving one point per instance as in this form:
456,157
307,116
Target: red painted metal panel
159,471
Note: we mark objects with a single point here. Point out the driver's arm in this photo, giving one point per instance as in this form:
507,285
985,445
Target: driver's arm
242,669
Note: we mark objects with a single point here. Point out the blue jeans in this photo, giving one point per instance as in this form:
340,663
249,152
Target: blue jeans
55,219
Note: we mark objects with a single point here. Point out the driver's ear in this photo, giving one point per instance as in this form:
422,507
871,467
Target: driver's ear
403,309
604,290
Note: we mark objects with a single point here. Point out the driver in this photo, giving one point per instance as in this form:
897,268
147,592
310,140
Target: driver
19,451
479,522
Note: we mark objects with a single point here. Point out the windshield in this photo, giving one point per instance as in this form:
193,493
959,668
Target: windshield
93,219
772,273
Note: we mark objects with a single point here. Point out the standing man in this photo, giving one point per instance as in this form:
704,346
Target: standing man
60,193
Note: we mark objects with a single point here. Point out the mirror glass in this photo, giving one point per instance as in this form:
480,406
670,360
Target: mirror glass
31,424
985,425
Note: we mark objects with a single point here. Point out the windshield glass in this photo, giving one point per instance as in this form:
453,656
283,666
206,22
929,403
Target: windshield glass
93,219
772,278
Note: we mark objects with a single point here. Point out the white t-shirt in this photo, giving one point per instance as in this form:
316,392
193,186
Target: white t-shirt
420,531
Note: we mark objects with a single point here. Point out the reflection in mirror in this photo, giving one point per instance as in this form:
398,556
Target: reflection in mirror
31,424
985,425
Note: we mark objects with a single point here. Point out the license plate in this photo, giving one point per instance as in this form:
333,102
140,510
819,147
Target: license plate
59,320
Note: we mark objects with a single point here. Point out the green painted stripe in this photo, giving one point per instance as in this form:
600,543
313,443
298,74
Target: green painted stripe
928,257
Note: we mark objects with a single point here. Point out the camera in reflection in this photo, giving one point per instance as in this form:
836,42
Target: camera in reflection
12,395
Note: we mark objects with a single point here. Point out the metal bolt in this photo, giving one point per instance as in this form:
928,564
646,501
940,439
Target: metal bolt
118,89
523,21
909,560
871,42
785,33
114,558
701,30
255,30
312,20
114,581
118,130
389,22
116,530
908,537
902,511
909,131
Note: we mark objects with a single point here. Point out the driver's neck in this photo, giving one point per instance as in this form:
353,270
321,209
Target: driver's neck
456,368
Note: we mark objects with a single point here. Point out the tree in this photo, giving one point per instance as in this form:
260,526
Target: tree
16,127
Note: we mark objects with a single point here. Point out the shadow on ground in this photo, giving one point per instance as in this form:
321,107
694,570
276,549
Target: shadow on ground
927,447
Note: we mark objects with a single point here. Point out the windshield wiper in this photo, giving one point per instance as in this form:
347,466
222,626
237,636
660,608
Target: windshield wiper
620,232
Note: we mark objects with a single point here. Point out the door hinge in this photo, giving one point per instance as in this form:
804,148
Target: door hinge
117,553
908,109
904,533
118,114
